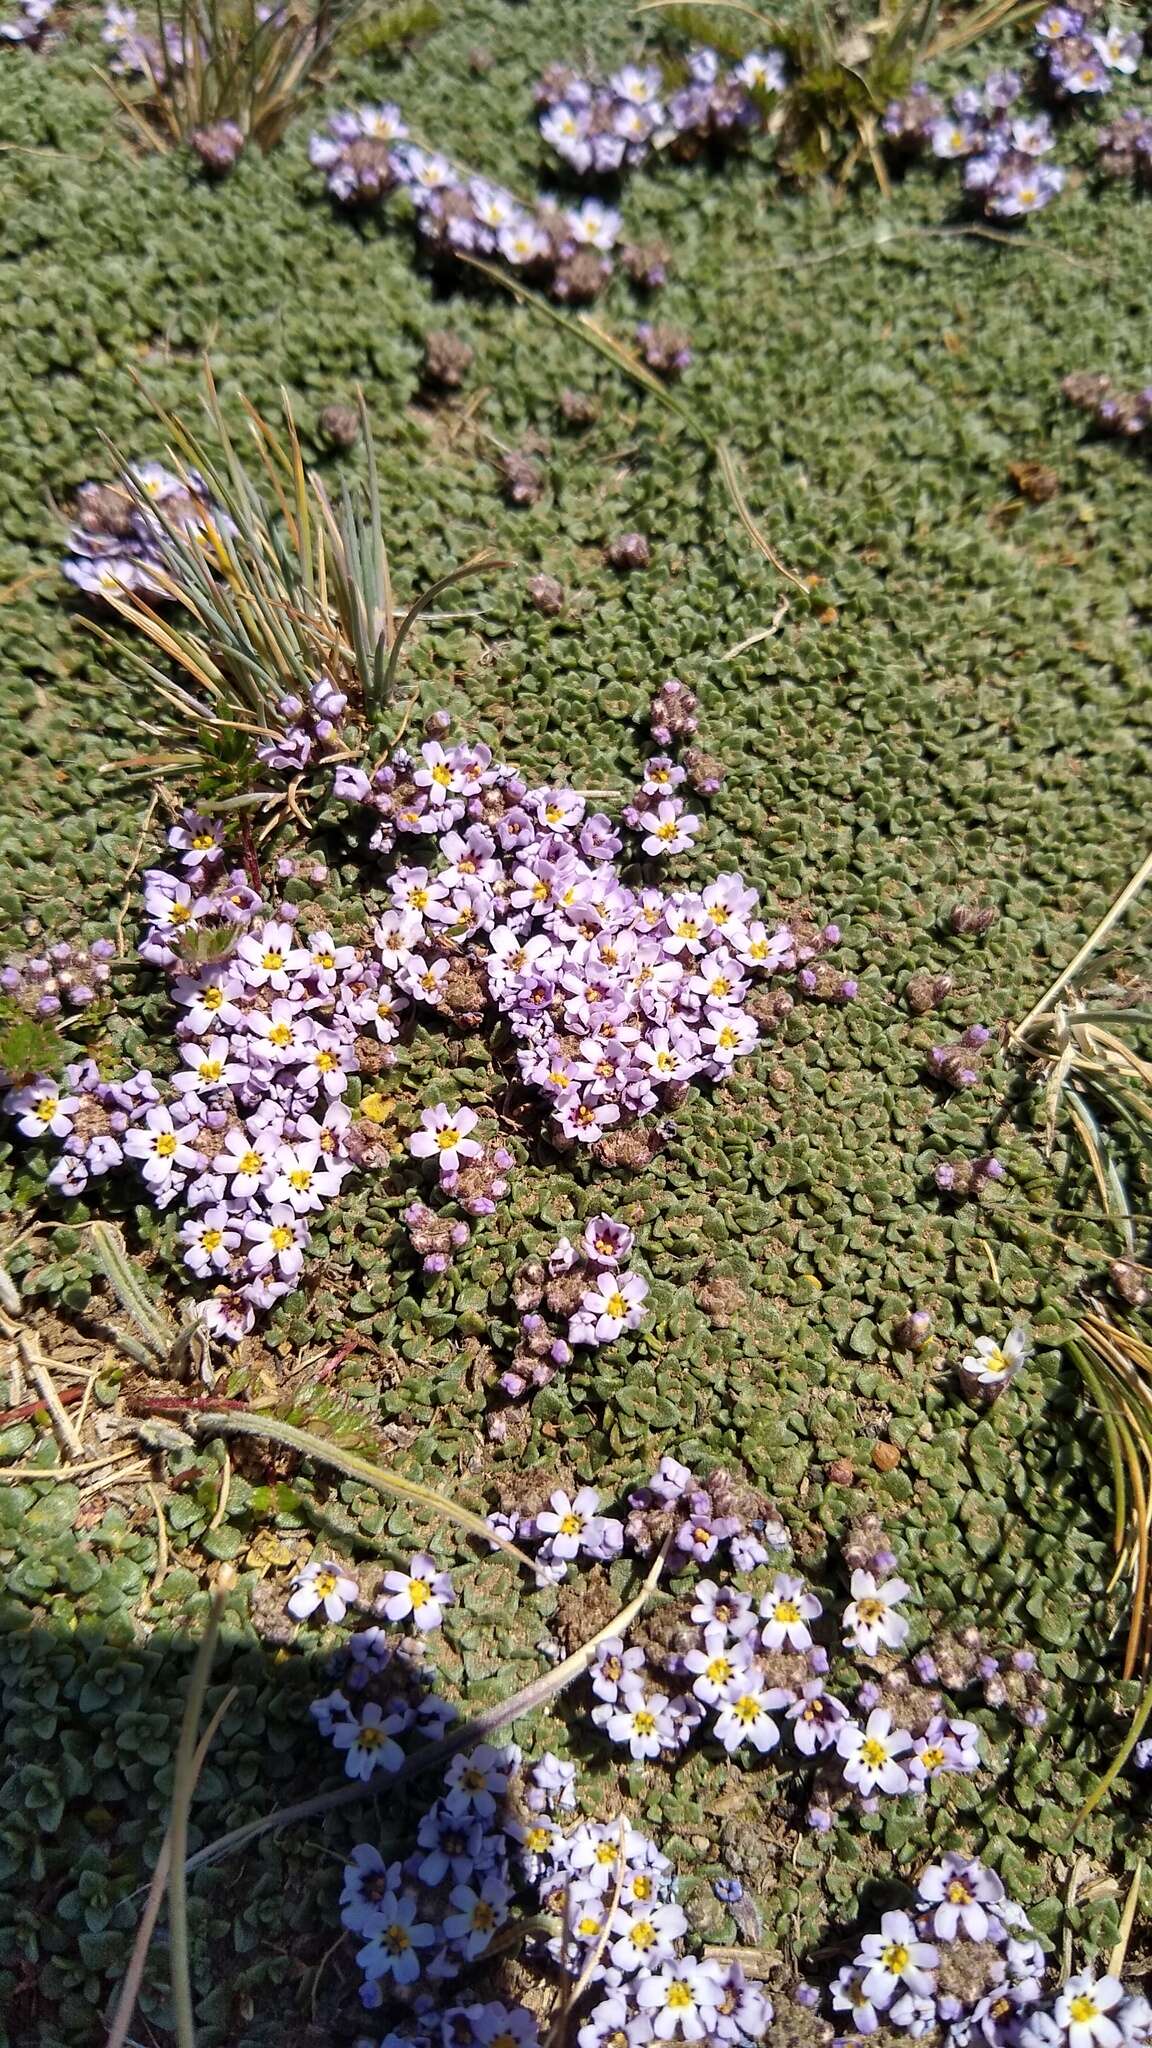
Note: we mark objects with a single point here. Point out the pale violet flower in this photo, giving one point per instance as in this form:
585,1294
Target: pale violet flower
322,1585
423,1592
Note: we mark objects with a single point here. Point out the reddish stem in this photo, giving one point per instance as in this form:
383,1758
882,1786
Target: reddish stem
31,1408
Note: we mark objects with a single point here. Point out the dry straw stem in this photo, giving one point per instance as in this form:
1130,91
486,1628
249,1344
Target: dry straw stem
1116,1366
528,1700
239,63
382,1478
288,585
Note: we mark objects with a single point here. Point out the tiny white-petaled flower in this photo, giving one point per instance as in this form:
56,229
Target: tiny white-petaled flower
894,1957
1083,2008
423,1592
786,1612
322,1585
745,1717
990,1366
871,1619
870,1753
642,1722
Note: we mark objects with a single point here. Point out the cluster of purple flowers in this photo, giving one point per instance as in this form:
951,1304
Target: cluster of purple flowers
498,1839
958,1065
472,1172
1001,147
31,24
1125,148
1079,62
68,976
601,128
116,540
250,1133
136,52
1009,1680
965,1966
1127,414
365,155
311,729
585,1289
618,997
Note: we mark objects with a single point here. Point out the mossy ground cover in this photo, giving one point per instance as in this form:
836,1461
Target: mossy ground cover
956,710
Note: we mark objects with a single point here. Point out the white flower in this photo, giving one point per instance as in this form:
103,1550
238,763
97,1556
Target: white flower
896,1956
871,1619
422,1591
786,1612
478,1914
744,1715
1083,2008
392,1949
870,1753
992,1365
322,1585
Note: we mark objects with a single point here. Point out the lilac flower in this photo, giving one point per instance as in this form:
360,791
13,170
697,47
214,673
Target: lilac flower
615,1303
641,1722
392,1949
443,1136
960,1891
816,1717
745,1715
367,1741
478,1913
1084,2010
616,1670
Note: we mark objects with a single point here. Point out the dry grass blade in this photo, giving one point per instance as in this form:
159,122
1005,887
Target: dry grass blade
588,331
230,60
271,588
380,1477
480,1728
1116,1365
134,1975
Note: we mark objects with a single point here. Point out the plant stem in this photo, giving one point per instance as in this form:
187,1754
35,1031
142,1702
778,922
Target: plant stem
187,1771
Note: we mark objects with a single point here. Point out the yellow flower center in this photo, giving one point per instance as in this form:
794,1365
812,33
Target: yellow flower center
747,1710
447,1138
1083,2008
396,1939
571,1525
419,1592
280,1035
249,1162
165,1144
212,1240
679,1997
873,1753
211,1070
786,1610
932,1758
483,1916
642,1887
442,774
203,842
212,998
327,1062
281,1237
46,1109
180,913
870,1610
643,1722
958,1893
300,1178
643,1934
616,1304
272,961
325,1583
896,1959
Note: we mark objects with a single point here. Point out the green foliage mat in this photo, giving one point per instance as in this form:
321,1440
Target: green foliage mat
959,711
